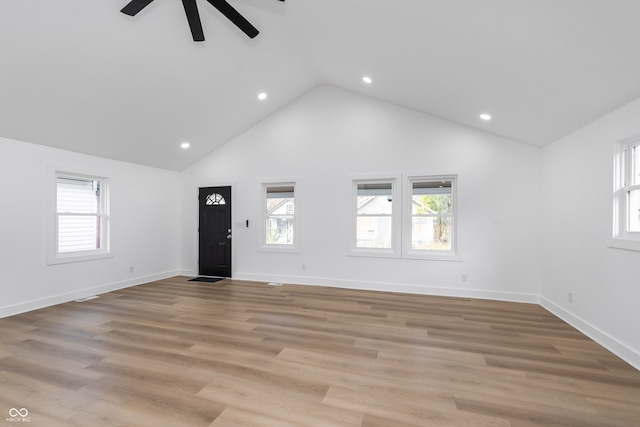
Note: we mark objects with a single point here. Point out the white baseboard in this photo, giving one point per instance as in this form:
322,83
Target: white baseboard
393,287
23,307
618,348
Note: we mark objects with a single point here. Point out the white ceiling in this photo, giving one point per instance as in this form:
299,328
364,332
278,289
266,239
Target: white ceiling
80,75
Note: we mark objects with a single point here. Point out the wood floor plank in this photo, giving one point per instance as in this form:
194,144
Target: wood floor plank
614,409
159,404
587,388
136,414
438,409
238,353
521,413
252,396
66,377
594,375
257,372
161,375
77,355
41,399
236,417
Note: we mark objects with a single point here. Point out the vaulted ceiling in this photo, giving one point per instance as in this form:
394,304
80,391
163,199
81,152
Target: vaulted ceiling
80,75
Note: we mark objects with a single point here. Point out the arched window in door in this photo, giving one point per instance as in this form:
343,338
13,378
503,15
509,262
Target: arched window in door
215,199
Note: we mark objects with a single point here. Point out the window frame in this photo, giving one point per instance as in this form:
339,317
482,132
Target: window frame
407,225
623,238
278,247
401,217
54,256
395,250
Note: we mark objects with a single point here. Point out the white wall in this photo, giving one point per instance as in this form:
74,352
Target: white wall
578,202
145,228
330,134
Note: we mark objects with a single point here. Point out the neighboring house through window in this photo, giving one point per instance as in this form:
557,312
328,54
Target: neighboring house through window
279,212
375,221
418,222
374,215
431,215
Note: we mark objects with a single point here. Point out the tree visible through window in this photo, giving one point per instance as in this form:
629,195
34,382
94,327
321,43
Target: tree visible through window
410,217
432,214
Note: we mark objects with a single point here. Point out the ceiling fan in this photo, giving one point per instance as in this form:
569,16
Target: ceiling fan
193,16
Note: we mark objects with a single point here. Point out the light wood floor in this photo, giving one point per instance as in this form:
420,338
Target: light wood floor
233,353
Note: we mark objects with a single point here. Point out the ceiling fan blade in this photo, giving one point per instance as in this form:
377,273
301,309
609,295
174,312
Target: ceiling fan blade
234,16
135,6
191,9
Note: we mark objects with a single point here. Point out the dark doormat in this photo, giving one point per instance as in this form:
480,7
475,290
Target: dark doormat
206,279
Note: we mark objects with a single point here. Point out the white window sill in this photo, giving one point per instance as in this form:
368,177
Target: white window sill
431,256
373,253
627,244
434,256
78,257
287,249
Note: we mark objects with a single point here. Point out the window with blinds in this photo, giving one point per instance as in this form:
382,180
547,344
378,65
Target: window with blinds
81,214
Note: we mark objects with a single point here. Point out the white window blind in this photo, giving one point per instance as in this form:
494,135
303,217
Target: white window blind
80,214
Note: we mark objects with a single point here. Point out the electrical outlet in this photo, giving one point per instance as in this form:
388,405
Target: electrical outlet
570,297
131,269
464,277
303,267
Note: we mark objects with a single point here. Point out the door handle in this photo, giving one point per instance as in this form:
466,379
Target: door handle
228,236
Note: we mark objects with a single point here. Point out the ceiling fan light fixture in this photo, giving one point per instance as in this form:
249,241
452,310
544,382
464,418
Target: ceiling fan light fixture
193,16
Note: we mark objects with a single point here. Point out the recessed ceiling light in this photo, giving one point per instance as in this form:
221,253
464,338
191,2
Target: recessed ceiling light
185,145
485,116
262,96
367,80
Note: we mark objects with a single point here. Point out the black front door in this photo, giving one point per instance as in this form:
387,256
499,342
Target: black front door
215,232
